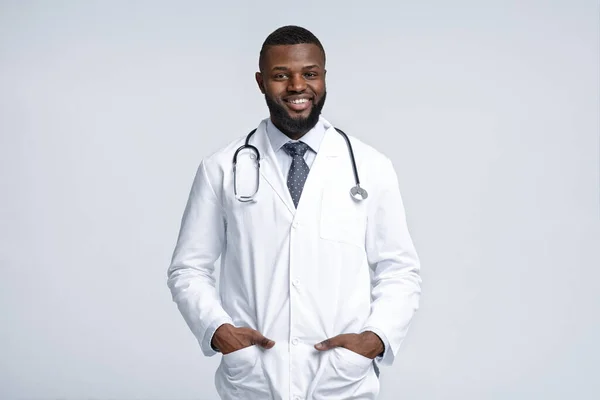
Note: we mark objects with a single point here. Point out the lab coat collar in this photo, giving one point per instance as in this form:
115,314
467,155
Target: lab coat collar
331,146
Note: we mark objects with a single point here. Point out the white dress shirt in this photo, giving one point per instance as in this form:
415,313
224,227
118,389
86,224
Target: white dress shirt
312,138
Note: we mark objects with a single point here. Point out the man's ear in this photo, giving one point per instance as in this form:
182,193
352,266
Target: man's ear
260,82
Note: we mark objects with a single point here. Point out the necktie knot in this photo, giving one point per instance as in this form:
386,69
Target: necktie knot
295,148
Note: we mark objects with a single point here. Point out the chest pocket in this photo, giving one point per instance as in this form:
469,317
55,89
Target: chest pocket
342,219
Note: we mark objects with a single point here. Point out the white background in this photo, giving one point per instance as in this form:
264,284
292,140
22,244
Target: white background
489,110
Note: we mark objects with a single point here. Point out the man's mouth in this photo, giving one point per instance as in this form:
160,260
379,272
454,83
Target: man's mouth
298,104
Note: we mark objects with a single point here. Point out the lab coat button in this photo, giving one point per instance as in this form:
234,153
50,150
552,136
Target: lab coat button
295,224
295,341
296,282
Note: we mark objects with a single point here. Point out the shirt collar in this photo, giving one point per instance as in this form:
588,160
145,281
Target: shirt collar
312,138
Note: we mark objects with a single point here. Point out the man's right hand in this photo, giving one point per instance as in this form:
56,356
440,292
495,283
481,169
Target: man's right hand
228,338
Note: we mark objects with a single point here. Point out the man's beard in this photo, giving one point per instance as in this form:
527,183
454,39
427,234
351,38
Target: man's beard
294,126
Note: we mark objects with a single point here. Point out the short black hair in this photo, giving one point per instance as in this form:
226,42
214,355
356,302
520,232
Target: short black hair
287,35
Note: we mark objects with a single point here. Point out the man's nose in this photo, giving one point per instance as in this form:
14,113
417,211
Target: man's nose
297,83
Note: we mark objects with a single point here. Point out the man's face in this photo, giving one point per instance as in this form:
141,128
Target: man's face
292,79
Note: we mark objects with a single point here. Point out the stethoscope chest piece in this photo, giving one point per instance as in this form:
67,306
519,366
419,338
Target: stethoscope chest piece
358,193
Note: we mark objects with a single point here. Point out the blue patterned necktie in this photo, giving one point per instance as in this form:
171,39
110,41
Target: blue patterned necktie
298,170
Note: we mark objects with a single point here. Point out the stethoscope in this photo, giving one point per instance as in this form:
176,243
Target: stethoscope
356,191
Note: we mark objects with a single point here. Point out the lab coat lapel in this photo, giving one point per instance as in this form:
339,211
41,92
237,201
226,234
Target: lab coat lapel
324,168
269,169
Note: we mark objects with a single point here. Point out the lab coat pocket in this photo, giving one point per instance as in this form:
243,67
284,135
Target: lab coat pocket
348,375
242,358
352,364
343,219
241,375
353,357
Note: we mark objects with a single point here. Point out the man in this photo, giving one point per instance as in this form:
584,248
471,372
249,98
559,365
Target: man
317,289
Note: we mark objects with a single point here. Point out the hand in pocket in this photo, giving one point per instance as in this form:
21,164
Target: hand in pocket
367,344
228,338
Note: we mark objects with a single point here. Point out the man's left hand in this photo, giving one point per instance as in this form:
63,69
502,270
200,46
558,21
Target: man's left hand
366,344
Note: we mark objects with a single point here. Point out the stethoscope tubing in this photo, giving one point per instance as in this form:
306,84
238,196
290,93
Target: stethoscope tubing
356,192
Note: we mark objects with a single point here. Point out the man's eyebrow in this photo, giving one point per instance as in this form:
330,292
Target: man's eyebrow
282,68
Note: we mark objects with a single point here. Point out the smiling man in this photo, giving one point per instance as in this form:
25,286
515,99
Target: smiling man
317,286
294,104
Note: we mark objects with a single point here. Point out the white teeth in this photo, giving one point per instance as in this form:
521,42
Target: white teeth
298,101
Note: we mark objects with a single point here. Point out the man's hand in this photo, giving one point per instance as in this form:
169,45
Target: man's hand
366,344
228,338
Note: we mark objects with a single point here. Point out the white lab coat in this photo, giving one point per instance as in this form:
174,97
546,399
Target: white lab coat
298,276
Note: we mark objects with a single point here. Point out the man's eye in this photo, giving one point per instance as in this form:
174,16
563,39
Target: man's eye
310,74
280,76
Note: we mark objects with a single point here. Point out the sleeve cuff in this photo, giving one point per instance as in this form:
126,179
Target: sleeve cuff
384,339
205,345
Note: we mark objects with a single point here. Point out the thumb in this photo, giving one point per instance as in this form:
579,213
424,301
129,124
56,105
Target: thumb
330,343
260,340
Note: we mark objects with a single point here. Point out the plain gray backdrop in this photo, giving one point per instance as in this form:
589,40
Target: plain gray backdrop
488,109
